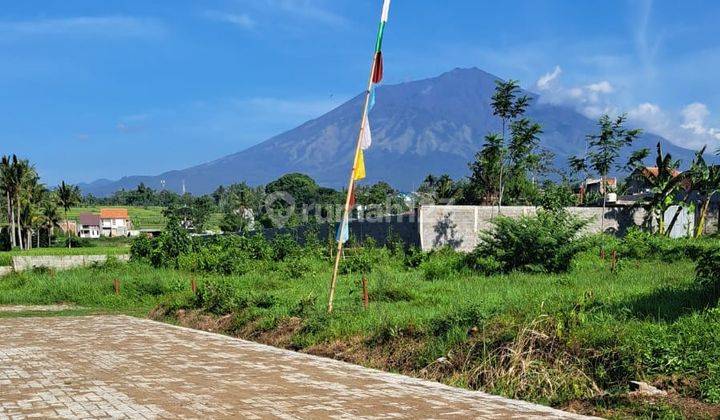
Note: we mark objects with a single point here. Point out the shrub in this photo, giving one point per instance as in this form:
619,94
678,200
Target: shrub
357,262
284,246
257,247
441,263
217,296
141,248
546,242
414,257
641,244
708,269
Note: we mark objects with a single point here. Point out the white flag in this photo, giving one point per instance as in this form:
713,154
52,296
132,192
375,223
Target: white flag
366,136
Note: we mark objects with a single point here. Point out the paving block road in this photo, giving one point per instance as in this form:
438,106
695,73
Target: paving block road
124,367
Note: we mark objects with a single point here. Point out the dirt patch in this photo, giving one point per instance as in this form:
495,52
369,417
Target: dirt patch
282,335
628,405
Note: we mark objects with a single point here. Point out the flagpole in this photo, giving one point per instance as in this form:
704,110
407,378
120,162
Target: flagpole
346,210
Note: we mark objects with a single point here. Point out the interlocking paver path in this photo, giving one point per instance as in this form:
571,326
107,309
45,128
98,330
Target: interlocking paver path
117,366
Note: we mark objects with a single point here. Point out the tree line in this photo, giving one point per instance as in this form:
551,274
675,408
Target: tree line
509,169
31,207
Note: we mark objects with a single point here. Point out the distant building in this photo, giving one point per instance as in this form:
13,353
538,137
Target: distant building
115,222
89,226
638,183
594,186
68,227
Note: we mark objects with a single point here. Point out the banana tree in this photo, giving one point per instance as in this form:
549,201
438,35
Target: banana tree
664,184
706,181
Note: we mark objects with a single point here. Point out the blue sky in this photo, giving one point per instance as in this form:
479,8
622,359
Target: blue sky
158,85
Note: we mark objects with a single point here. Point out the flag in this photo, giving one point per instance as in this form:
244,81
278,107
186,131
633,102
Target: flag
343,232
378,66
359,172
365,135
352,195
372,99
378,69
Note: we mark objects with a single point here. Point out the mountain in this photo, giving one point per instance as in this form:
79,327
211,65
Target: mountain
427,126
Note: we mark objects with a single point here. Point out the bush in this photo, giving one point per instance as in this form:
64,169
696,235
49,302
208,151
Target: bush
708,269
546,242
77,242
414,257
217,296
641,244
441,264
141,248
284,246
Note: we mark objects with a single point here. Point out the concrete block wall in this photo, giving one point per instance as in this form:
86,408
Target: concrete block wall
460,226
4,271
60,262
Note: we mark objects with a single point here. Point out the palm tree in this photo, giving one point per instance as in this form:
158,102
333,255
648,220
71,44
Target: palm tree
67,196
7,186
50,217
706,181
21,173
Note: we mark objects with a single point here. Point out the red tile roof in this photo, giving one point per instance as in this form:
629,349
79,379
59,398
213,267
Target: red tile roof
114,214
87,219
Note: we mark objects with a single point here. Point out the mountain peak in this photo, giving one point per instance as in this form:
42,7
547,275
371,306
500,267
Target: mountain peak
434,125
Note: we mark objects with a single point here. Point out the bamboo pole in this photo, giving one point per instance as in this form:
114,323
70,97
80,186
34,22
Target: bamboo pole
346,210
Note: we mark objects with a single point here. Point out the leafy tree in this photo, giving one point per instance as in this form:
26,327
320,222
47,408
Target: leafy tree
67,196
604,150
556,197
507,104
441,189
302,188
523,159
485,170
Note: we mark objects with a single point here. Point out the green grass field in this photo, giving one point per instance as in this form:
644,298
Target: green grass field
142,217
555,339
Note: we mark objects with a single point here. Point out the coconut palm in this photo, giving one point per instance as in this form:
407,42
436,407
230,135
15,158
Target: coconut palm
50,217
7,187
67,196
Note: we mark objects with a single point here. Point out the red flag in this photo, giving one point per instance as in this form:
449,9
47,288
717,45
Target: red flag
352,195
378,72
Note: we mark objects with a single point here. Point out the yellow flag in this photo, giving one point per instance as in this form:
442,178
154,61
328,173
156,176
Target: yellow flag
359,166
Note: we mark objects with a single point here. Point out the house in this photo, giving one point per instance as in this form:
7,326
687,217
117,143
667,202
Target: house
594,187
68,227
638,183
89,226
115,222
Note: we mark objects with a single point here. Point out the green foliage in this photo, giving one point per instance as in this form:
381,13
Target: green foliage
546,242
284,246
641,244
141,248
441,264
555,197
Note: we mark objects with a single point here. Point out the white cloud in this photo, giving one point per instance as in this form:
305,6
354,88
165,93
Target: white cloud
241,20
109,26
695,120
546,81
600,87
308,9
688,129
591,99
